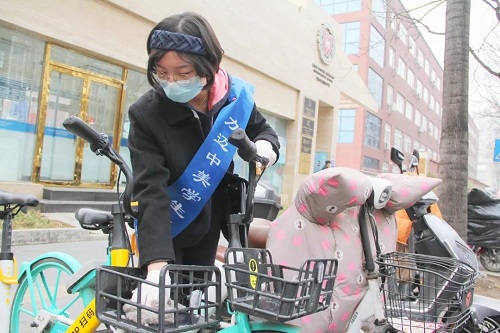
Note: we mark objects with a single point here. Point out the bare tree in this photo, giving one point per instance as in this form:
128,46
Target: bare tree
454,143
485,56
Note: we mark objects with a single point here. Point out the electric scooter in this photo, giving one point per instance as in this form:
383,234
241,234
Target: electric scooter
433,236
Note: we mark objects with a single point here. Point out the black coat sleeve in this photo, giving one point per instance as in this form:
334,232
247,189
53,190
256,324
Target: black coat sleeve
151,178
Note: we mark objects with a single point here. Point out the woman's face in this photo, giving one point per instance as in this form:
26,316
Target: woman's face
172,67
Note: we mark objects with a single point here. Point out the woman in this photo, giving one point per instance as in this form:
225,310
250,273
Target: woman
178,140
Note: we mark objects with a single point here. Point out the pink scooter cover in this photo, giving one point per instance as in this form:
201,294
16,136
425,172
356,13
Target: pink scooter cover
322,223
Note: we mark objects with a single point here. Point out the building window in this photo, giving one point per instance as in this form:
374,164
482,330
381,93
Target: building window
351,37
402,33
398,139
385,167
420,58
407,143
380,11
377,46
392,56
389,97
346,126
426,95
416,145
375,86
427,67
387,136
339,6
424,124
21,59
419,90
402,68
418,118
370,163
409,110
393,20
410,79
413,46
372,130
400,103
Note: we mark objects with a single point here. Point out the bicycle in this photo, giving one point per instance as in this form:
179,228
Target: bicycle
103,288
55,292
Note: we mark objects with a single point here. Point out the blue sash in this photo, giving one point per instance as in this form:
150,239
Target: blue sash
191,192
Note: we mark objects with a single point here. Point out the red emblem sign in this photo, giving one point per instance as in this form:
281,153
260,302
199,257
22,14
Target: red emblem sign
326,43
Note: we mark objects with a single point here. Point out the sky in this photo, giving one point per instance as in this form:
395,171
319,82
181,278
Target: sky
482,22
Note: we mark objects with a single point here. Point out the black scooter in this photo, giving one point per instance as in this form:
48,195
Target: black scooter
433,236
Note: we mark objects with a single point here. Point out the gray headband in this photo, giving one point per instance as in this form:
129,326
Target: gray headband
173,41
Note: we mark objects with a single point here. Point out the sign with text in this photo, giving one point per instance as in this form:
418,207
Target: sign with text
308,127
496,154
309,108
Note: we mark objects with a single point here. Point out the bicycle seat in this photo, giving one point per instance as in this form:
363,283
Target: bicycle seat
7,198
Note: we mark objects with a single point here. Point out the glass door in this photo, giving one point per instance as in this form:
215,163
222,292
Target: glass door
65,159
59,146
101,113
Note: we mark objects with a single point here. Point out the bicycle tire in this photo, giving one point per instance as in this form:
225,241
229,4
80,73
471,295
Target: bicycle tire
49,277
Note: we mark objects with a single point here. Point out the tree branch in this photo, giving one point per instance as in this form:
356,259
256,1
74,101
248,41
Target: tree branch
496,8
486,67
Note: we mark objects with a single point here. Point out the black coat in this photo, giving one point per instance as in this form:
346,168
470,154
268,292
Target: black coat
164,136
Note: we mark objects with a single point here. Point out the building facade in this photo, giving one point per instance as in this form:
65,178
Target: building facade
404,77
88,58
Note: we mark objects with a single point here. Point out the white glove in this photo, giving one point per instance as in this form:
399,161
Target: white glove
150,297
265,149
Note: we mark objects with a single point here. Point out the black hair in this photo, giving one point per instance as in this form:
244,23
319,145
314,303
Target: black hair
192,24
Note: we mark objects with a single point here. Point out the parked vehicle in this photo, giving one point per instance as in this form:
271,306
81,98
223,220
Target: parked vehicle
483,227
433,236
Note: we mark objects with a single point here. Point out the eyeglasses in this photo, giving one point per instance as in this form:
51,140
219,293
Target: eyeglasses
180,79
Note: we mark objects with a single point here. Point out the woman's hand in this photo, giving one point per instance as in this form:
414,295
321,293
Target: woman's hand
149,296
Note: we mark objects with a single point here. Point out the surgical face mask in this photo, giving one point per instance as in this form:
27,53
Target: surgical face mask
183,91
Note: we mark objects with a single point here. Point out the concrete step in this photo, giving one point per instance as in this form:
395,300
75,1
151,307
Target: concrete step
71,206
79,194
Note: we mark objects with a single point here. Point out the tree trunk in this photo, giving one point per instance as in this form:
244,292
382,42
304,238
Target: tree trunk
453,169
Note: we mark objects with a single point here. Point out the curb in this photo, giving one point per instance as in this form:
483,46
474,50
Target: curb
52,235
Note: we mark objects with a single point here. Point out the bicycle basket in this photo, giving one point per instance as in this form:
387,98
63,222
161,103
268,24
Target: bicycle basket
189,307
426,293
278,293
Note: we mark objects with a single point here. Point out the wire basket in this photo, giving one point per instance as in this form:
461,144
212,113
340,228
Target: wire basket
278,293
194,298
425,293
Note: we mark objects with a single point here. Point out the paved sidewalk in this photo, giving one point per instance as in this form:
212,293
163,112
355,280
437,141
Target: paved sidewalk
74,233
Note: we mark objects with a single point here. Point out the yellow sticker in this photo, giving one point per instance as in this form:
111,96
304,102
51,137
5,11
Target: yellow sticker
252,265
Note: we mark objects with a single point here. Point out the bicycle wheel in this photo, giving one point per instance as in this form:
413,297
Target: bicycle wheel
47,292
490,259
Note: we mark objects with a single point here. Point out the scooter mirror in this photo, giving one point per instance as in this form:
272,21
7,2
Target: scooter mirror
416,154
397,157
414,161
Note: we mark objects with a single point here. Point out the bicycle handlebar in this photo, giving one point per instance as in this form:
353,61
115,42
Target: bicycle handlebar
100,145
81,129
246,148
